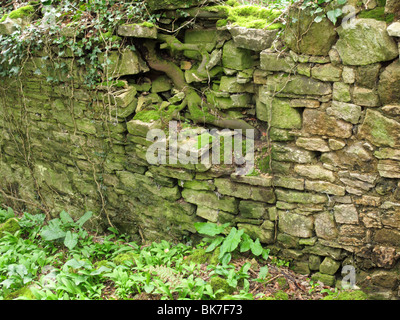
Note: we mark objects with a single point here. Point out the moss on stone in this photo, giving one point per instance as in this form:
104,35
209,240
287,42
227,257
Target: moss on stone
251,16
126,256
147,115
377,14
22,12
22,293
218,283
347,295
11,226
3,18
200,256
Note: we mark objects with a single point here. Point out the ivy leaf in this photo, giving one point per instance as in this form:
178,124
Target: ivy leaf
334,14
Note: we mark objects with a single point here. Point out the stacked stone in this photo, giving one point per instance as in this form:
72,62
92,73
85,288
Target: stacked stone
331,103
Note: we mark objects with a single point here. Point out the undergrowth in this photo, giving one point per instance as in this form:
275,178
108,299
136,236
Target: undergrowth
60,260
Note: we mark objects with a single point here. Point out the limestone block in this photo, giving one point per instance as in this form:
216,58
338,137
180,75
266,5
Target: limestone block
365,42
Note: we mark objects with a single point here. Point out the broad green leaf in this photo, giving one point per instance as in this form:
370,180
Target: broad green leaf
52,231
246,243
82,220
215,243
226,258
210,229
256,247
265,254
65,217
232,241
340,2
263,272
71,240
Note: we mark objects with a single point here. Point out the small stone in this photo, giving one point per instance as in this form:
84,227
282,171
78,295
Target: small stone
341,92
295,225
300,197
394,29
335,144
252,39
272,61
379,130
288,182
137,31
325,187
325,226
319,123
326,279
314,172
348,75
236,58
329,266
345,111
327,72
252,209
346,213
365,97
313,144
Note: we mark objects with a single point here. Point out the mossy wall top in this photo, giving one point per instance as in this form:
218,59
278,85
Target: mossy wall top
324,104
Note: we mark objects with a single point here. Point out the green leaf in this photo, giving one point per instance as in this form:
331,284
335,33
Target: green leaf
340,2
52,231
333,15
82,220
71,240
256,247
246,243
232,241
318,19
263,272
226,258
265,254
210,229
65,217
215,243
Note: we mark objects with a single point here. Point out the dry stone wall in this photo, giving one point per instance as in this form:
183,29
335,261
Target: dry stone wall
325,192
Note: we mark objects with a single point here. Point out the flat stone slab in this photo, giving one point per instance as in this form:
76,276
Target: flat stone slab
137,31
252,39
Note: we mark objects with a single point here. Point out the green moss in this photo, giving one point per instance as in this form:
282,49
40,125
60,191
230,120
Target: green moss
200,256
347,295
377,14
147,115
148,24
279,295
126,256
22,12
251,16
3,18
11,226
22,293
218,283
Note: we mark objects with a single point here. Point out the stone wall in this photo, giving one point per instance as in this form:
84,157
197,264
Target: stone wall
325,192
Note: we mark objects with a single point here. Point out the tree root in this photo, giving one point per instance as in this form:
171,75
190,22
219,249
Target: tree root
199,110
